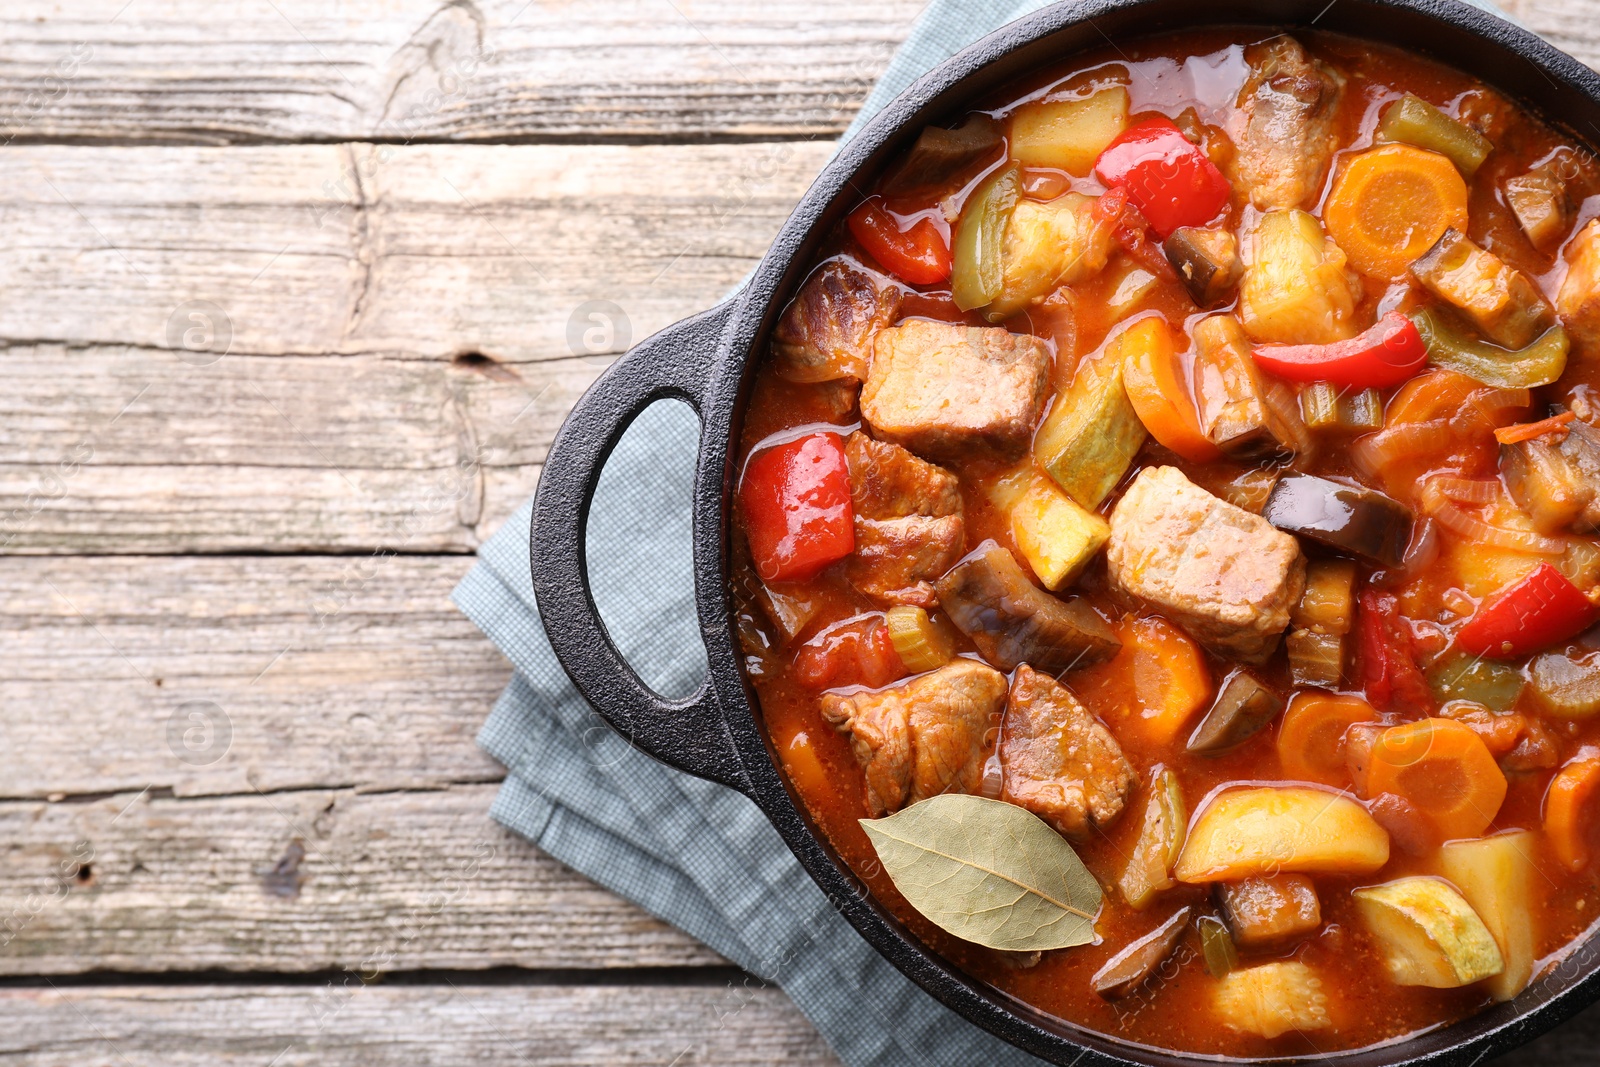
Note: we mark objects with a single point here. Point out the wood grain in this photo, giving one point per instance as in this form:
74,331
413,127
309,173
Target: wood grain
143,882
462,70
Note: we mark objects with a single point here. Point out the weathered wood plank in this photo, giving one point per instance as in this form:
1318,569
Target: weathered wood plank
329,671
735,1024
416,251
303,881
485,70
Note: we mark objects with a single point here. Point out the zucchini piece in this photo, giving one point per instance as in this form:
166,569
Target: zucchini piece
1316,660
1207,262
1047,245
1412,120
1133,966
1429,934
1290,830
1297,288
1505,304
1056,536
977,247
923,643
1244,707
1362,522
1496,875
1069,135
1166,818
1460,676
1267,911
1272,999
1328,605
1216,945
1092,433
1232,395
1567,684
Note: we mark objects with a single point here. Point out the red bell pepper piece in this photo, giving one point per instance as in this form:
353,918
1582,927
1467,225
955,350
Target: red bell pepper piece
1131,231
1169,179
796,503
854,652
1388,354
913,248
1528,616
1389,672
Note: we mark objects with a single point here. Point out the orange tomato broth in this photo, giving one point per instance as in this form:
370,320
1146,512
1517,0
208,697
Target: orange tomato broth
1175,1013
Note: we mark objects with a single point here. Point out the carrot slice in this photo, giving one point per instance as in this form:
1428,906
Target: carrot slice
1154,686
1564,806
1155,384
1390,204
1311,738
1527,431
1444,769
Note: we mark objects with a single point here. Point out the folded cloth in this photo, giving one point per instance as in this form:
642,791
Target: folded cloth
697,855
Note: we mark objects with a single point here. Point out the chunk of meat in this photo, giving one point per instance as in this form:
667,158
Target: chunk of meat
1058,760
1048,245
827,331
1221,573
1289,105
909,527
1578,303
928,736
1012,621
946,391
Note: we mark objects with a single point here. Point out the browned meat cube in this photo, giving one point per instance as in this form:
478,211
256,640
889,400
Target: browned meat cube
1500,300
1221,573
1058,760
909,528
925,737
827,331
1289,105
1012,621
946,391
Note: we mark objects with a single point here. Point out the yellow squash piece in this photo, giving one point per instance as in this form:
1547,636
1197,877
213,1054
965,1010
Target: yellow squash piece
1056,536
1149,869
1295,830
1496,875
1092,433
1069,135
1428,934
1273,999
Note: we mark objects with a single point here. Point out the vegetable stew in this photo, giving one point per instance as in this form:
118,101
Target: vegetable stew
1185,470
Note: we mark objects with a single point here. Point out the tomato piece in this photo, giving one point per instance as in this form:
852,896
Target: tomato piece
912,248
1388,354
796,503
1390,675
1131,231
1528,616
857,651
1169,179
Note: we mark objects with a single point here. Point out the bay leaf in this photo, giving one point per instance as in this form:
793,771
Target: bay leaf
988,872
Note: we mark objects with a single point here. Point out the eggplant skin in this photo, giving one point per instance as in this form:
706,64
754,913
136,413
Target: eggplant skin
1207,262
1361,522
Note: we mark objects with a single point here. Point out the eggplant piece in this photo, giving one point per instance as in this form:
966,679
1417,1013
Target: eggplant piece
1545,484
1243,708
1582,448
1232,395
1012,621
1505,304
1315,659
1542,205
1133,966
940,154
1092,433
1362,522
1207,262
1269,910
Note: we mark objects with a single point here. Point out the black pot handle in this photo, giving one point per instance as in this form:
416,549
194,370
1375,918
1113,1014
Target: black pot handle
689,734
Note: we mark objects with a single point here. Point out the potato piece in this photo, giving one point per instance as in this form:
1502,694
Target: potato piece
1069,134
1092,433
1294,830
1263,912
1056,536
1297,288
1272,999
1149,869
1496,875
1502,302
1047,245
1428,934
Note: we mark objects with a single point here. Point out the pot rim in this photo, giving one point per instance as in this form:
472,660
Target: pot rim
937,96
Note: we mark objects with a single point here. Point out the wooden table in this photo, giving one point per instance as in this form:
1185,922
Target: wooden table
293,295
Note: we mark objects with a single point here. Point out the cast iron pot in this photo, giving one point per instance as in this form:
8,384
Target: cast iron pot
708,361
